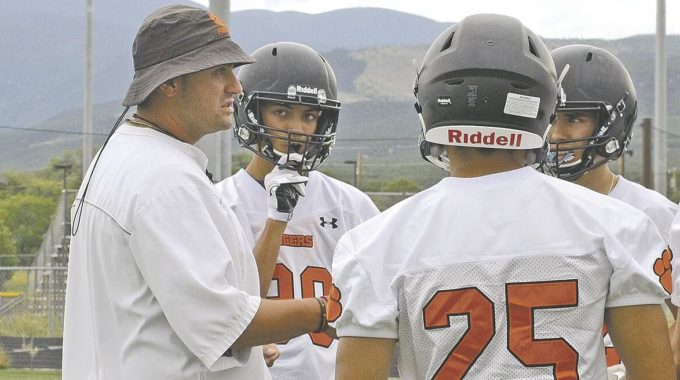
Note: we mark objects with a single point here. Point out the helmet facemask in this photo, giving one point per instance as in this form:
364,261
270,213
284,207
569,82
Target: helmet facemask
595,150
313,148
599,83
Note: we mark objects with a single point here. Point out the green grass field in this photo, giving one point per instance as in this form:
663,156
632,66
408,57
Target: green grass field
27,374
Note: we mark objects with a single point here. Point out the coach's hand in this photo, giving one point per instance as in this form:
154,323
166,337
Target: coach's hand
284,186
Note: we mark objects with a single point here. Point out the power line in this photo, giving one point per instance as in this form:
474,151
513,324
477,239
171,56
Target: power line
340,139
379,139
381,164
49,130
104,134
666,132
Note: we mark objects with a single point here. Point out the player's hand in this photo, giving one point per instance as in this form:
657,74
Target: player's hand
271,353
616,372
284,186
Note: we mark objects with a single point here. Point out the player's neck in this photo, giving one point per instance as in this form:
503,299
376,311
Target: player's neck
258,168
600,179
469,162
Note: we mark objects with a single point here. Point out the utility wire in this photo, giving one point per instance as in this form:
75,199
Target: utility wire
338,139
666,132
49,130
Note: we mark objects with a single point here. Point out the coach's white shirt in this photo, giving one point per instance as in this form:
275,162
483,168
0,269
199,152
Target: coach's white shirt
328,210
161,278
554,252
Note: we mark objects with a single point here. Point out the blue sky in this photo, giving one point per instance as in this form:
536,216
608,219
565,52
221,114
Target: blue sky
609,19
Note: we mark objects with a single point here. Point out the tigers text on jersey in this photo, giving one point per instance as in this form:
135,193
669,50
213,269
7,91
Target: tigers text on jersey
479,275
328,210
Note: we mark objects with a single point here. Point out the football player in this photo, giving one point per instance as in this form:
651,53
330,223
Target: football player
593,127
674,240
497,271
287,117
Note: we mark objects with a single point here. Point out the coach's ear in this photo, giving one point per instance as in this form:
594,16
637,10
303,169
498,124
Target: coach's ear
167,89
170,87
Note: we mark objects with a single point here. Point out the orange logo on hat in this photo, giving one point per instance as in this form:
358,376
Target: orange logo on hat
222,28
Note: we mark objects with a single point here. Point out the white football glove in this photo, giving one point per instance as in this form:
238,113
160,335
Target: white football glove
284,187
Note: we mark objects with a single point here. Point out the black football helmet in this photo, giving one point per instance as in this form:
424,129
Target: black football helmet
291,73
597,82
487,82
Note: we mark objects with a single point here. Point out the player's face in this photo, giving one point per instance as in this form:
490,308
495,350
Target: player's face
571,125
297,118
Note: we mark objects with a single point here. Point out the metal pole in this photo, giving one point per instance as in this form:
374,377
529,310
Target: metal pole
661,160
354,177
65,168
647,153
49,303
356,173
359,170
223,139
66,233
217,146
87,107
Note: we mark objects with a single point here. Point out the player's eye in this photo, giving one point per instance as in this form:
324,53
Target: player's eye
280,112
311,116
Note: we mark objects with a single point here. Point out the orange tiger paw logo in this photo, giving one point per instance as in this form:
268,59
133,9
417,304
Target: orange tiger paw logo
334,307
664,269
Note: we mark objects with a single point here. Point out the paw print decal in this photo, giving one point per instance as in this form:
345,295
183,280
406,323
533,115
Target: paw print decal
664,269
334,307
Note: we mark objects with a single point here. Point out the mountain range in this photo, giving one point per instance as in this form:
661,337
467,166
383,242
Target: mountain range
374,52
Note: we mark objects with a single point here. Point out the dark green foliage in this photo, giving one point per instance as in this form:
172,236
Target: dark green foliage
27,216
27,203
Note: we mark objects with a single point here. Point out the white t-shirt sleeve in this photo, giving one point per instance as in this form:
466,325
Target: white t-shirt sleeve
178,242
369,308
633,252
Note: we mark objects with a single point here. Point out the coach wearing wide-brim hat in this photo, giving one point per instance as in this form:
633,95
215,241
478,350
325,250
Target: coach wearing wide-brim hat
162,282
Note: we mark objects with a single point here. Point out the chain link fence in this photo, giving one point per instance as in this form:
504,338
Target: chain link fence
32,301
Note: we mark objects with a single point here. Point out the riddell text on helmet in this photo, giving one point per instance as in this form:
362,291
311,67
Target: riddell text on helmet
488,139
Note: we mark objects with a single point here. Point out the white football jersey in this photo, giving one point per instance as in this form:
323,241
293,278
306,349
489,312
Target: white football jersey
661,210
500,276
328,210
674,241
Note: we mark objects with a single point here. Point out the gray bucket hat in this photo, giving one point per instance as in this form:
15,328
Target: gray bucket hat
177,40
